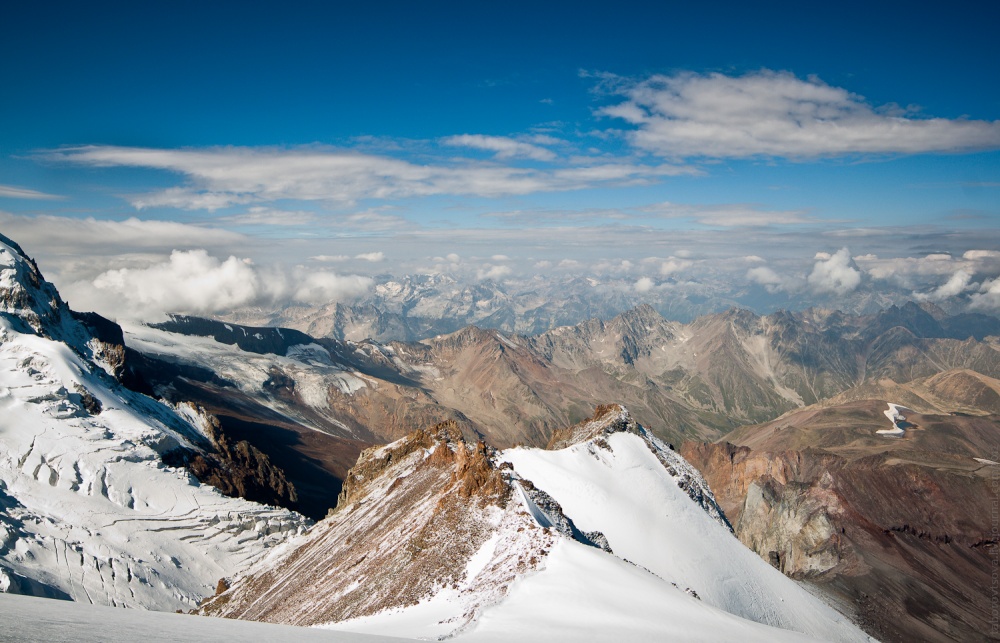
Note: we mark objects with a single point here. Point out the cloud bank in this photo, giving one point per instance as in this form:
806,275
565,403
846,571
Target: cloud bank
776,114
194,282
224,176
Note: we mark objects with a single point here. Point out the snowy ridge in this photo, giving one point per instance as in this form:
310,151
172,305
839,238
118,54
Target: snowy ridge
437,538
89,510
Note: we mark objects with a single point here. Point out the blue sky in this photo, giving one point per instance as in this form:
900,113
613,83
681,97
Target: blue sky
587,133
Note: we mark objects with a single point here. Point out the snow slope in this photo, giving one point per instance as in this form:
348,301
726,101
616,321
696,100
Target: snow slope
37,619
614,537
89,510
624,491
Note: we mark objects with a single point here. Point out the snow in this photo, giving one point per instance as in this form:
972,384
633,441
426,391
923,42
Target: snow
309,365
895,415
626,493
585,594
985,461
667,548
38,619
89,510
507,341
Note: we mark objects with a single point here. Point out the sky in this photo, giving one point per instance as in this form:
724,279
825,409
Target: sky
197,157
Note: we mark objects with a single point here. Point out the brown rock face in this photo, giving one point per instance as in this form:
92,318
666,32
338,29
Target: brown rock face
906,544
410,516
237,469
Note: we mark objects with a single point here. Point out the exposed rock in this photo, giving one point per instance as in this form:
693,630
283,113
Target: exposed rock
236,468
893,533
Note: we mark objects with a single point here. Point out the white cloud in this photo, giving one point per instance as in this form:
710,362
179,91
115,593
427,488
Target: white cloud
644,284
729,214
90,236
834,273
492,272
956,285
988,297
505,148
258,215
220,177
974,255
674,265
195,282
330,258
374,257
776,114
771,280
12,192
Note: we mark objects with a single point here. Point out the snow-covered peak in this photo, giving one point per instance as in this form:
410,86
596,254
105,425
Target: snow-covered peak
25,296
89,510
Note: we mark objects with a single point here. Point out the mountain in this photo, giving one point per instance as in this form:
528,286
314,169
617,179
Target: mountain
883,507
419,306
313,404
93,509
437,537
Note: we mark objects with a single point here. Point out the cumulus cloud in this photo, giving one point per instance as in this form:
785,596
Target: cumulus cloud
674,265
492,272
220,177
505,148
988,297
776,114
195,282
956,285
767,277
374,257
643,284
834,273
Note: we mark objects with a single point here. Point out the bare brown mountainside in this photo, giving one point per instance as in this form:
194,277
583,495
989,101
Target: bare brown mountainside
692,381
899,527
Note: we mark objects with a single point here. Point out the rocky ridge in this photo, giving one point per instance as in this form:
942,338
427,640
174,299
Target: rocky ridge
434,524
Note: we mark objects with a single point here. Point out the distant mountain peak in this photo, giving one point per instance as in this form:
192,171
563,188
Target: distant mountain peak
25,296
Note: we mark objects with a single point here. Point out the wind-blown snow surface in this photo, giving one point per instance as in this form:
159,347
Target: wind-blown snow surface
88,510
676,571
37,619
625,492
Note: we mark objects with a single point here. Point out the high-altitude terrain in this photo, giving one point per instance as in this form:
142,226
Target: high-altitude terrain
883,506
853,453
91,507
697,381
607,535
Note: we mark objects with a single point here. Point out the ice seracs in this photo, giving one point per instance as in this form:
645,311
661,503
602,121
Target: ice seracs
88,509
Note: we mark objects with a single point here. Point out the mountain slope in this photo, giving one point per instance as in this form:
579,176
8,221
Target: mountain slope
91,512
437,537
896,523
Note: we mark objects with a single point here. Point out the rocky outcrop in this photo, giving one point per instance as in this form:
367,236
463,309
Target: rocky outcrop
235,467
907,544
410,517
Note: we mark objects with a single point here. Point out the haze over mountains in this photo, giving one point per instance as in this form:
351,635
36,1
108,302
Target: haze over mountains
275,415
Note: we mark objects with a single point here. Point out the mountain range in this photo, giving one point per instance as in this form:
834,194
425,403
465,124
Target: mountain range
142,463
